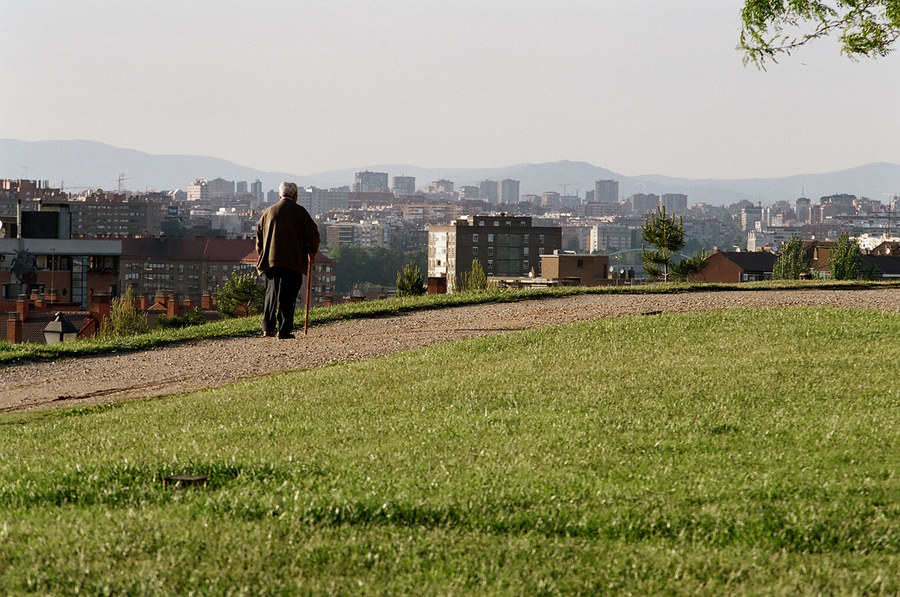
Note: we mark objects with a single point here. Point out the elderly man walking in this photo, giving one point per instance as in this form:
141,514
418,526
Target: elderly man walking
287,240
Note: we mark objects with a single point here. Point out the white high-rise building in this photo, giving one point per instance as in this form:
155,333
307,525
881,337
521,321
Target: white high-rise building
198,190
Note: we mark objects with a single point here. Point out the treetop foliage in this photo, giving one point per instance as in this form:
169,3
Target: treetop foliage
125,319
242,295
410,281
845,259
793,262
867,28
473,280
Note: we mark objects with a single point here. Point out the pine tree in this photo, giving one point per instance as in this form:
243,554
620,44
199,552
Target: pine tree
410,281
667,235
241,296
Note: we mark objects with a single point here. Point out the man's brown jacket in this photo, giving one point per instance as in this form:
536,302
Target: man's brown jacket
285,236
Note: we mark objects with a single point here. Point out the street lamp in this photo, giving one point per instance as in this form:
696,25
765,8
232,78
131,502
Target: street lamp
59,330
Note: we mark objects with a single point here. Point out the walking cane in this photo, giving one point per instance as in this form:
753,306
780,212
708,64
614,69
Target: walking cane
308,287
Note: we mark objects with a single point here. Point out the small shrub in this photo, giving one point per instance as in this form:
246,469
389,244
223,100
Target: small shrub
473,280
242,295
194,316
410,281
124,319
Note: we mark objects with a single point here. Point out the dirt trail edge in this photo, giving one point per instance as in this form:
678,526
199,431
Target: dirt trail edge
213,363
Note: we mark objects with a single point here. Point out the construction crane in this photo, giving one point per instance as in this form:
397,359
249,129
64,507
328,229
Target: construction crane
566,186
122,178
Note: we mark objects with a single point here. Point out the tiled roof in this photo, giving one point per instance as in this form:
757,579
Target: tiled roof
172,249
752,261
888,265
33,328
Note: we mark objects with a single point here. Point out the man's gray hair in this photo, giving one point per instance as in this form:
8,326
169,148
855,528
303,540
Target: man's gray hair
288,189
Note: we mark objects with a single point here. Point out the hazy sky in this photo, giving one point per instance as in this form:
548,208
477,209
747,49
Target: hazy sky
635,86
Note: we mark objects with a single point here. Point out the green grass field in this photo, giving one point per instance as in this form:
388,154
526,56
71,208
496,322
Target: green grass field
728,452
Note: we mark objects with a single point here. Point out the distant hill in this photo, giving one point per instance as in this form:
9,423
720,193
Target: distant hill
89,164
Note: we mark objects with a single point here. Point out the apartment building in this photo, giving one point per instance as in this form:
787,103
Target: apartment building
113,216
504,245
187,267
371,182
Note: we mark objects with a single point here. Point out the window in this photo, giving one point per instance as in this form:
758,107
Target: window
496,223
490,239
491,251
526,251
474,251
525,265
541,238
490,264
474,239
525,239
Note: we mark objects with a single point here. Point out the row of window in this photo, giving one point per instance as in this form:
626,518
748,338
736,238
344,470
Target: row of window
526,251
526,238
507,223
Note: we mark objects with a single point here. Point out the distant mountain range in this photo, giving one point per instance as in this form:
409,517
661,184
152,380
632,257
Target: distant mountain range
77,165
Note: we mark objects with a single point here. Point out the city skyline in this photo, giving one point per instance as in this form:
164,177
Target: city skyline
636,87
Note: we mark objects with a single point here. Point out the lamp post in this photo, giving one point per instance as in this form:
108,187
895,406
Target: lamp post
60,330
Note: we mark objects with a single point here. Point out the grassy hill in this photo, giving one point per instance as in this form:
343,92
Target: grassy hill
727,452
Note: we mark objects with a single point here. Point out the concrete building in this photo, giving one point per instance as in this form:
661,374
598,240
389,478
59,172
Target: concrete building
675,203
443,186
371,182
489,190
257,191
504,245
611,237
641,203
508,191
108,216
750,217
403,185
606,191
219,189
320,201
43,262
469,192
572,269
198,191
186,267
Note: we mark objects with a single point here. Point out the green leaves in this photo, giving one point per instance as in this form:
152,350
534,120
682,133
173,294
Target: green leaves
793,262
473,280
668,236
124,319
774,27
845,259
241,296
410,281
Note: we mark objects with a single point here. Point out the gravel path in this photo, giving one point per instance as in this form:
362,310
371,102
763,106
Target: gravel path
212,363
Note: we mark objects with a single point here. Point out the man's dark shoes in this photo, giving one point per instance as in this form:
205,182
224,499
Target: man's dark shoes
268,334
286,336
